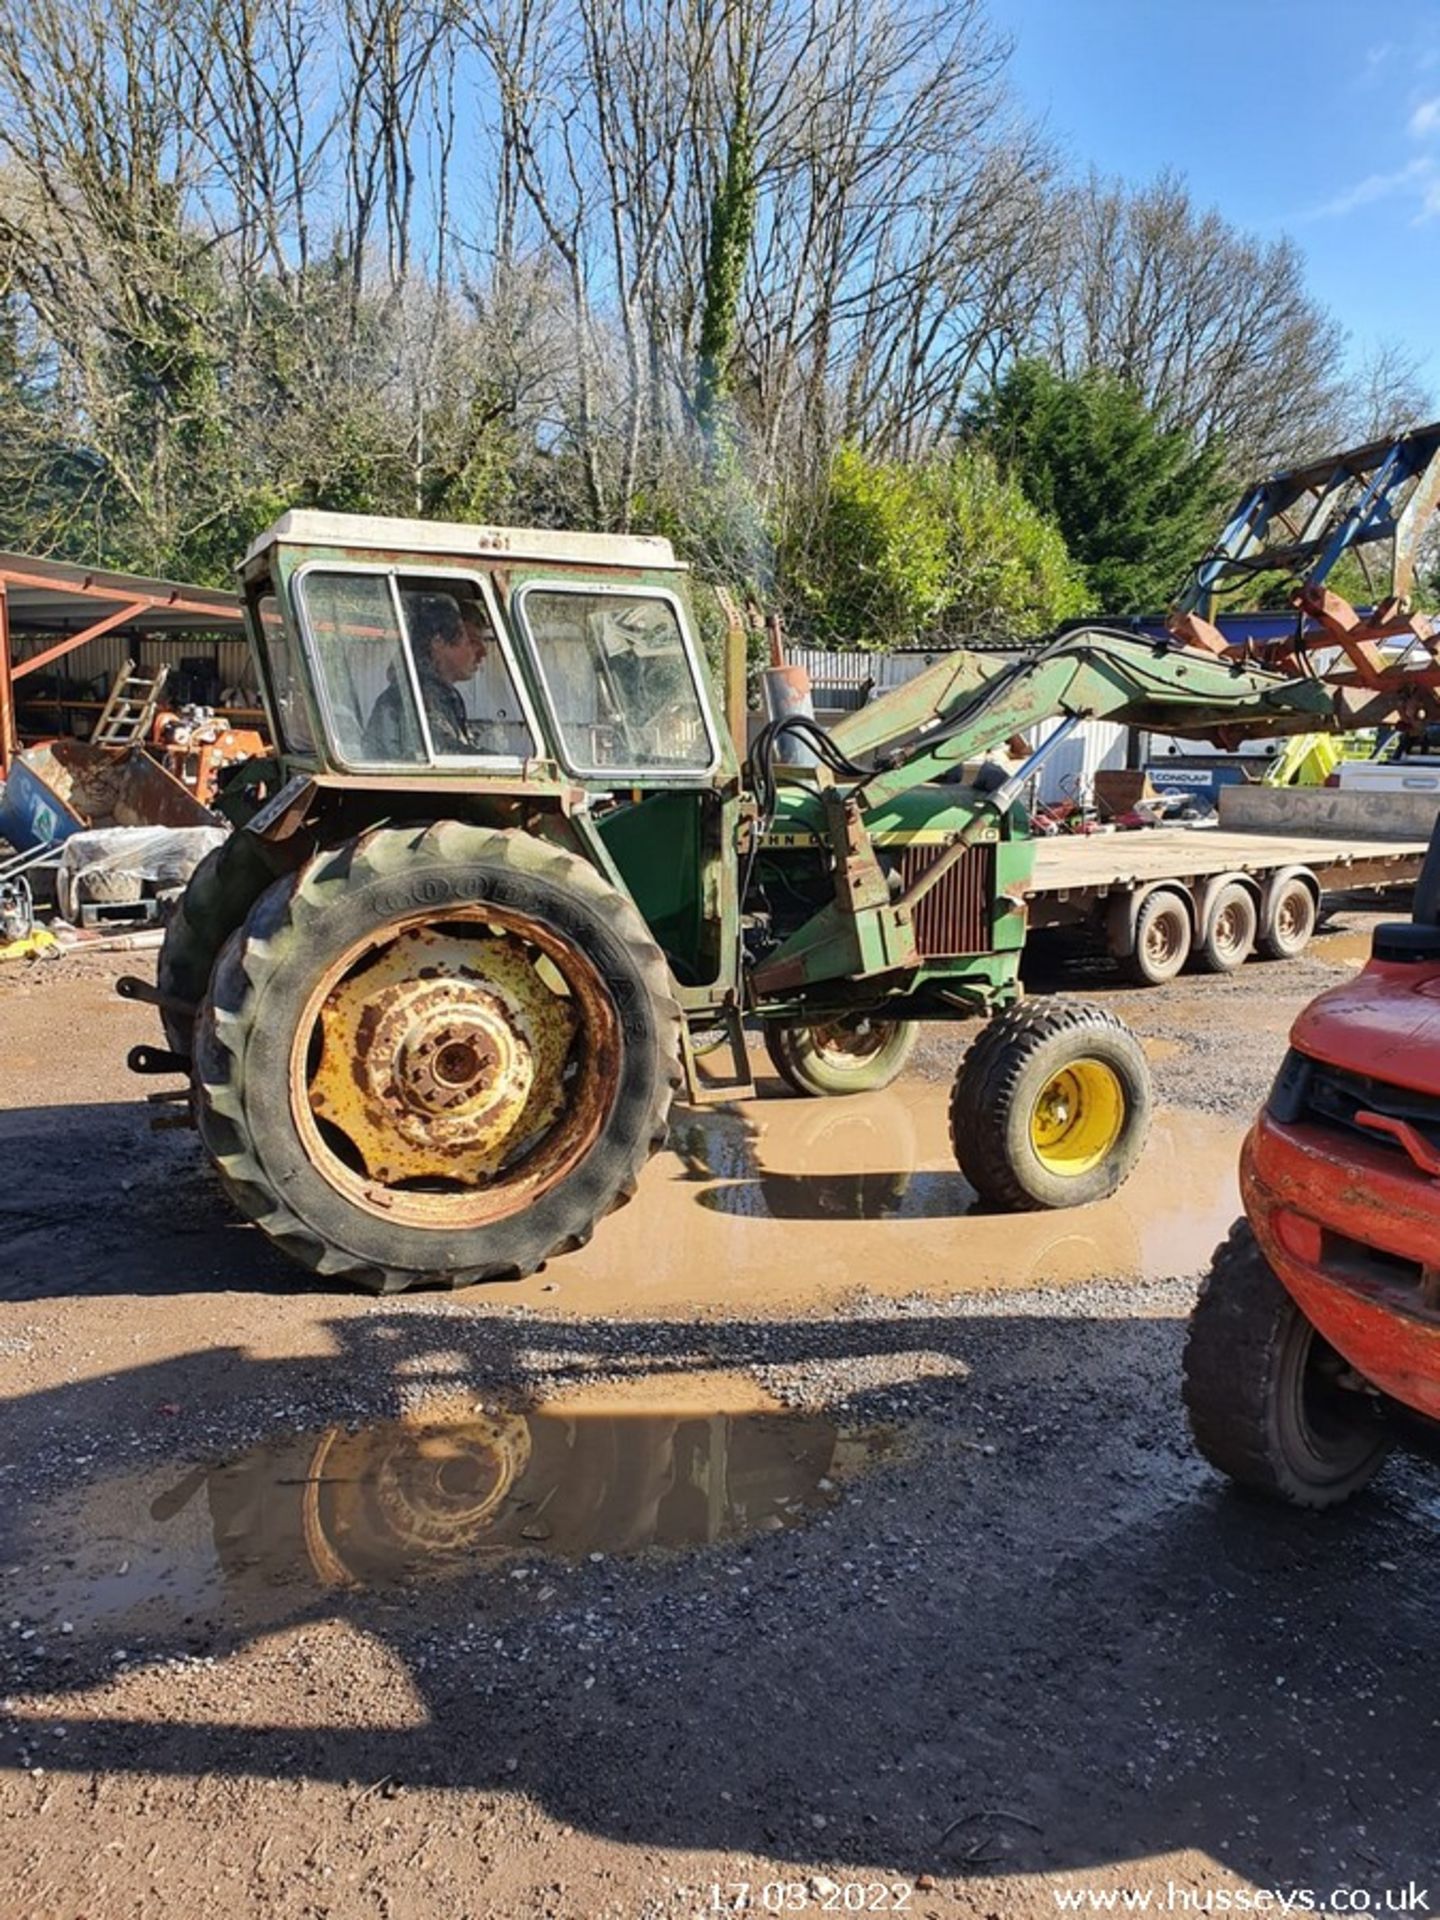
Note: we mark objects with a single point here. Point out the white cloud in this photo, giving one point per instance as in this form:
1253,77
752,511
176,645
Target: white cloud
1425,120
1381,186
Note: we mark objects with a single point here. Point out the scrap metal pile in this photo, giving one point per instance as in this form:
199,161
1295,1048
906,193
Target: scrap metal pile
108,827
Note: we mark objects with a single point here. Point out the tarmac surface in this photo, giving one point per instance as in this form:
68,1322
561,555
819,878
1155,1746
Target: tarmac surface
811,1542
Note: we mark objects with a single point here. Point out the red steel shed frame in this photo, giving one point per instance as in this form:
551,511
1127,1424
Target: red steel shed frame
76,605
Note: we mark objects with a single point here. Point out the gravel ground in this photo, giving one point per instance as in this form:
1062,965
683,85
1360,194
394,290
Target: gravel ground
912,1588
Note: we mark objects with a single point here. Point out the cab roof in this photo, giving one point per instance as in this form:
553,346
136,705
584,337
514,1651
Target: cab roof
456,540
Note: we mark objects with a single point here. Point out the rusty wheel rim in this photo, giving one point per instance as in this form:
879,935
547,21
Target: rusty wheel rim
1290,917
448,1075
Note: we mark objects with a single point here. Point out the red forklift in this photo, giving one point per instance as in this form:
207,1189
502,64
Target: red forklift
1315,1342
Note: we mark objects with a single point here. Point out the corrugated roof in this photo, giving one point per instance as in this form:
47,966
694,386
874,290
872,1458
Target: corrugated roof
54,598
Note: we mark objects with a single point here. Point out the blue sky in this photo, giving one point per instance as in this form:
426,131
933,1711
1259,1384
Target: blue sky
1311,118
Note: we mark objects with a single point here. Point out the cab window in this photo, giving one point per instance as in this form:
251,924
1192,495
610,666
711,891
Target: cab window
287,689
618,680
412,670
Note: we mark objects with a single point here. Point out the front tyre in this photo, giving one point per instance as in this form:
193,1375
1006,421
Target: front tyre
217,897
436,1054
1265,1393
1051,1106
855,1053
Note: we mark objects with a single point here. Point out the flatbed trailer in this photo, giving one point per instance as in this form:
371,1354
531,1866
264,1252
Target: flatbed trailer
1255,883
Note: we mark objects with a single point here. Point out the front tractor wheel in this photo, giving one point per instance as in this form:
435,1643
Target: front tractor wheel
1271,1404
436,1054
853,1054
1050,1107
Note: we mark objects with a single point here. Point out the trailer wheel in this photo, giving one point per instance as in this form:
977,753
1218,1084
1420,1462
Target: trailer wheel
1229,936
1290,921
1263,1391
1050,1107
854,1054
1162,939
436,1054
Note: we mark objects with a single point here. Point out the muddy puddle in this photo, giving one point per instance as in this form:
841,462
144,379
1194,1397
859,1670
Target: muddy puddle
1344,947
796,1203
437,1498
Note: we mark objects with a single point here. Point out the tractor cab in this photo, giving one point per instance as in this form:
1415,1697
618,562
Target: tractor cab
390,646
500,667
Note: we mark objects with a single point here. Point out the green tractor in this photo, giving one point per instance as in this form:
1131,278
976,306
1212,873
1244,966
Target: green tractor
436,995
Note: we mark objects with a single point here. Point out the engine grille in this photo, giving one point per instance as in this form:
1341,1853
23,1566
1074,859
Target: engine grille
1311,1090
954,916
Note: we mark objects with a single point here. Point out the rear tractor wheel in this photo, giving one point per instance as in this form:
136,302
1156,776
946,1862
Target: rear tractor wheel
856,1053
1271,1404
1050,1107
436,1054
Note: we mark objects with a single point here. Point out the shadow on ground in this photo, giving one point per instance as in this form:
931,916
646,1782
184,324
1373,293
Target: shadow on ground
1061,1654
96,1203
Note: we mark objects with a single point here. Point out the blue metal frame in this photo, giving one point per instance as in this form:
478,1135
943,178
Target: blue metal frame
1304,519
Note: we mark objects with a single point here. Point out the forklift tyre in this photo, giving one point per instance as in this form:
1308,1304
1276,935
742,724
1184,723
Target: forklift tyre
1162,939
1229,936
855,1054
1050,1107
436,1055
1263,1392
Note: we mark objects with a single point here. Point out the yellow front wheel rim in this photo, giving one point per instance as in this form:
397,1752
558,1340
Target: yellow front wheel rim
1078,1117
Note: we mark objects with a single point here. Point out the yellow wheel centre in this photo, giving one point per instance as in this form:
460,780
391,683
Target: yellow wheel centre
444,1057
1078,1117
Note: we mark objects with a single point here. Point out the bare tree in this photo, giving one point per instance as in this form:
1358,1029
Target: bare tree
1385,393
1214,329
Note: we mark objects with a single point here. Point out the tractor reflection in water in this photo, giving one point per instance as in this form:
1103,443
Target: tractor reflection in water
442,1497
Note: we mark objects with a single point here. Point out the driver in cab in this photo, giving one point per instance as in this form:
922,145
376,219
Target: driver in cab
448,649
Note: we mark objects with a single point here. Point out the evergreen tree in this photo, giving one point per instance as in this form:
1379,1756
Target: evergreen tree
1137,504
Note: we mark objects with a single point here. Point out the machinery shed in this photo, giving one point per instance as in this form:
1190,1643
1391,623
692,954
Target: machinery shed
55,618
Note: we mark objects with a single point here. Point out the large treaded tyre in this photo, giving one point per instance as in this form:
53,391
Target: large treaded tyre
856,1055
1162,939
1050,1107
1261,1388
217,897
363,912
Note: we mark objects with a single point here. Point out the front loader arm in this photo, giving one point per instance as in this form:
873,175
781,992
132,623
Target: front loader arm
963,707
